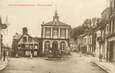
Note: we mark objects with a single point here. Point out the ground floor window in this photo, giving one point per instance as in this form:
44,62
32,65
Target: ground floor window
27,53
35,53
47,46
36,46
62,45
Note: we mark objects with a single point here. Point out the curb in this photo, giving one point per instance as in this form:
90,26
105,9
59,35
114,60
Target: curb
4,65
101,67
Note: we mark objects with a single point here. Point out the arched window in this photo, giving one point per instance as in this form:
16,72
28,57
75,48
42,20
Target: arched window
47,45
62,45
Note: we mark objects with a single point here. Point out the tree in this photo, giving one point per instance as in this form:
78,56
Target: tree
77,31
87,23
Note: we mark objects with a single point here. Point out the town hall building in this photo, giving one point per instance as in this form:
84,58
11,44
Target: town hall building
55,34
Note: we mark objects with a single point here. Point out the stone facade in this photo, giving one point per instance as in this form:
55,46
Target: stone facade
55,34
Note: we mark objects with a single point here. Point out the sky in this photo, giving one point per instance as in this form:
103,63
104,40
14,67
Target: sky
31,14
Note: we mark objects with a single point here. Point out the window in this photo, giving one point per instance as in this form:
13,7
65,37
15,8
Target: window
63,45
36,46
35,53
47,45
55,32
24,39
30,39
48,31
27,53
63,32
31,46
26,46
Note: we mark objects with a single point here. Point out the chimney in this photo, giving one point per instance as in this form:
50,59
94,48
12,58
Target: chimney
25,30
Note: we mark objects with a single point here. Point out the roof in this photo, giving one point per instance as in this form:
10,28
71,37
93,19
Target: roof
56,23
17,36
36,39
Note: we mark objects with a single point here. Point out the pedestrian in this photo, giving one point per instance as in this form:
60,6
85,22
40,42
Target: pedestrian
31,55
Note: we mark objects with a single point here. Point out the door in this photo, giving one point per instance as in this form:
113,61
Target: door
113,52
55,45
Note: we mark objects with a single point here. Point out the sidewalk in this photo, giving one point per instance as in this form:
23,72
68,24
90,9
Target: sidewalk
108,67
3,64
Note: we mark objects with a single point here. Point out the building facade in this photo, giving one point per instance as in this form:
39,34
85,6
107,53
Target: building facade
55,35
2,26
25,45
111,33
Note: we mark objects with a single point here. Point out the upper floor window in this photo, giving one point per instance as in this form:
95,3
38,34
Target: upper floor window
30,39
107,29
24,39
55,31
48,31
63,32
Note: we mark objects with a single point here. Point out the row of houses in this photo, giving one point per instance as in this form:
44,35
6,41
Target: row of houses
2,27
55,35
99,40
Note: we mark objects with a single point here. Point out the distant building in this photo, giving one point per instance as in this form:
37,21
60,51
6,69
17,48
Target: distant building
26,45
55,34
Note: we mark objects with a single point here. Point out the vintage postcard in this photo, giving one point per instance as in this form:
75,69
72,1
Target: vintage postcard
57,36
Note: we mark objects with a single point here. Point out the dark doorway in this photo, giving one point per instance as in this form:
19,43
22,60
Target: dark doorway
111,52
55,45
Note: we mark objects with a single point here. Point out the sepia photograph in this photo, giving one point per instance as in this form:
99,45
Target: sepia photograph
57,36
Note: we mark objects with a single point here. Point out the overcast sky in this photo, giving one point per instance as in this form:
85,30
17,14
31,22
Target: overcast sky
72,12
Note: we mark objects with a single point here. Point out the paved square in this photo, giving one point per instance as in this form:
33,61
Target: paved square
74,64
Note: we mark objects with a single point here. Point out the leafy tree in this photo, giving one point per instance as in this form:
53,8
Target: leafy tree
77,31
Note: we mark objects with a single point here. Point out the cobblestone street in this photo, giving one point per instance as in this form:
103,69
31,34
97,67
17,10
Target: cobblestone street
74,64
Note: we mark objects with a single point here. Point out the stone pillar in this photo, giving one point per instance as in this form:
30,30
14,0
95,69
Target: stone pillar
51,43
43,47
43,32
51,32
58,32
67,33
58,44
